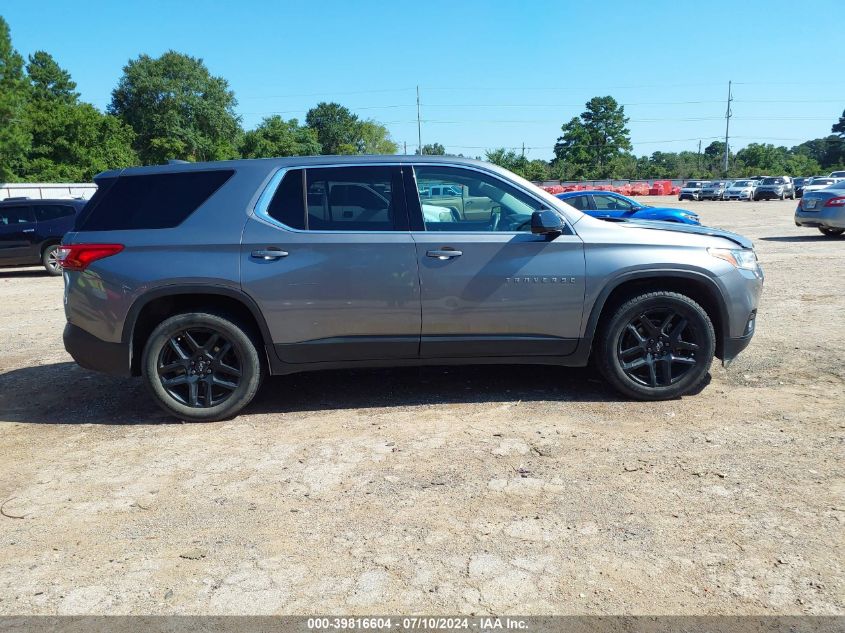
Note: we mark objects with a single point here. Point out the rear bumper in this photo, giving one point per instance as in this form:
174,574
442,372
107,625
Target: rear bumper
831,217
91,352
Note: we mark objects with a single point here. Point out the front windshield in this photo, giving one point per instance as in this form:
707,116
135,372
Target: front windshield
822,181
772,181
741,183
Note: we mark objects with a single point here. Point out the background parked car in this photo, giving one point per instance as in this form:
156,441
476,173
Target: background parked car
837,174
821,182
823,209
798,184
714,190
692,190
779,187
31,231
608,205
741,190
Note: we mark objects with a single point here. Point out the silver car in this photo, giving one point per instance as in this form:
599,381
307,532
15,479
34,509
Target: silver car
203,278
823,209
741,190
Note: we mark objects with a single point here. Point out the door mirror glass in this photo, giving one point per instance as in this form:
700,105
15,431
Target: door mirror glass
546,222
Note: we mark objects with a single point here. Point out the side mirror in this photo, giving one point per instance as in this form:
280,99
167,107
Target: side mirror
546,222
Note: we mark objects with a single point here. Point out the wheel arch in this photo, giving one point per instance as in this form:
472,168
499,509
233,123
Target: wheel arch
697,286
156,305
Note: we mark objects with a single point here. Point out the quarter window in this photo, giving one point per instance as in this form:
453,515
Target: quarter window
454,199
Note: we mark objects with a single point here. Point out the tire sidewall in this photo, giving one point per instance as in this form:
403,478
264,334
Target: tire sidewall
700,324
245,348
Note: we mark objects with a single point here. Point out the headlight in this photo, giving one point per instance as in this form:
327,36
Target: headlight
744,258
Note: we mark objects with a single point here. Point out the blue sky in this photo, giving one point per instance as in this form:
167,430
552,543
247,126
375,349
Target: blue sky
491,73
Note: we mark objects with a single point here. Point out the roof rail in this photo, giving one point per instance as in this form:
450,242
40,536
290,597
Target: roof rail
15,198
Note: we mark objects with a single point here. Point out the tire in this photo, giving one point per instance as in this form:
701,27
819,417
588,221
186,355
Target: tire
202,370
50,261
644,375
830,232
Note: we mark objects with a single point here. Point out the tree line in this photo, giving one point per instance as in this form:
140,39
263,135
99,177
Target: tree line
172,107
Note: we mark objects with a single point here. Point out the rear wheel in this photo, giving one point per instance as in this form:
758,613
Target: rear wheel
201,366
50,260
657,346
831,232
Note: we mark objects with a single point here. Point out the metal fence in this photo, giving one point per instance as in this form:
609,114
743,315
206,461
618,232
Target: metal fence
47,190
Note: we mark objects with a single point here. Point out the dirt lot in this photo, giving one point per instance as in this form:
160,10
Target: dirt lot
472,490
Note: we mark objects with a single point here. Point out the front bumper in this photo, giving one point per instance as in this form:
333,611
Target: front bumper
742,290
91,352
769,195
830,217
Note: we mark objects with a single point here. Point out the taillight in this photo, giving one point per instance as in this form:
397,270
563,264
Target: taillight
80,256
838,201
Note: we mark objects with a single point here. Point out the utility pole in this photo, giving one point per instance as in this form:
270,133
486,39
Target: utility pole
728,114
419,123
405,145
699,154
523,149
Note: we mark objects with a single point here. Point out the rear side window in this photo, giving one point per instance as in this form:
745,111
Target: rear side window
362,198
155,201
46,212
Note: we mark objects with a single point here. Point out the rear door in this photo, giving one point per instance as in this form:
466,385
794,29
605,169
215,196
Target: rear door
18,240
328,257
491,288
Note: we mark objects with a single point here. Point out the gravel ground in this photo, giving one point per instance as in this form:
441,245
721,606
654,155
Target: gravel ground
467,490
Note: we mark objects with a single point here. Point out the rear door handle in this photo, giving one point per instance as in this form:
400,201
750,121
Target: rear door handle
444,254
28,231
269,254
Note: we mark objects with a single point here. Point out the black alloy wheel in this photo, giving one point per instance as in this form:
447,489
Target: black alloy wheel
199,367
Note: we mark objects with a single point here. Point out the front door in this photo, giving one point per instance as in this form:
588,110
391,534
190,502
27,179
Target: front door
329,259
489,286
17,235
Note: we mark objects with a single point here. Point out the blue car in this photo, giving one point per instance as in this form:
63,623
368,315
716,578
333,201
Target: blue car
608,205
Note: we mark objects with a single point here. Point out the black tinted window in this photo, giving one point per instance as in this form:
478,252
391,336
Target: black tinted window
355,199
45,212
16,215
579,202
157,201
288,203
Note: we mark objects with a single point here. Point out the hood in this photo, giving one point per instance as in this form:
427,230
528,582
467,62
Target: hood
676,227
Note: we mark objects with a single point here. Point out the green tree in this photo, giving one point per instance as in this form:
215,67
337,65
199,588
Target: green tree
276,137
839,127
177,109
14,136
49,81
71,141
762,158
337,128
373,138
590,143
433,149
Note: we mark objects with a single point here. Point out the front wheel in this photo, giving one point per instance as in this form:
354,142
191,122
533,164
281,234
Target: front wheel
657,346
831,232
50,260
201,366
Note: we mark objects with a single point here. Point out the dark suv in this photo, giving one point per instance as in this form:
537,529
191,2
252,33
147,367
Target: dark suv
31,231
205,277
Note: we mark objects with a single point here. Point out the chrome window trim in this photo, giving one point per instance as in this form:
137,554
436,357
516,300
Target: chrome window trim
263,202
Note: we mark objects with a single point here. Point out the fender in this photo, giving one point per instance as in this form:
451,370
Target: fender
661,273
198,289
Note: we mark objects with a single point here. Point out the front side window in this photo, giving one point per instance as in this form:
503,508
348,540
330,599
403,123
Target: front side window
45,212
611,203
13,216
354,199
468,200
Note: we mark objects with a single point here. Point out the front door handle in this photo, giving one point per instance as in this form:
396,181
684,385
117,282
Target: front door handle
444,254
28,231
269,254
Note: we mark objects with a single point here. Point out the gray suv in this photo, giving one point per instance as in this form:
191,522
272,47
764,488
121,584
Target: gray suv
203,278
